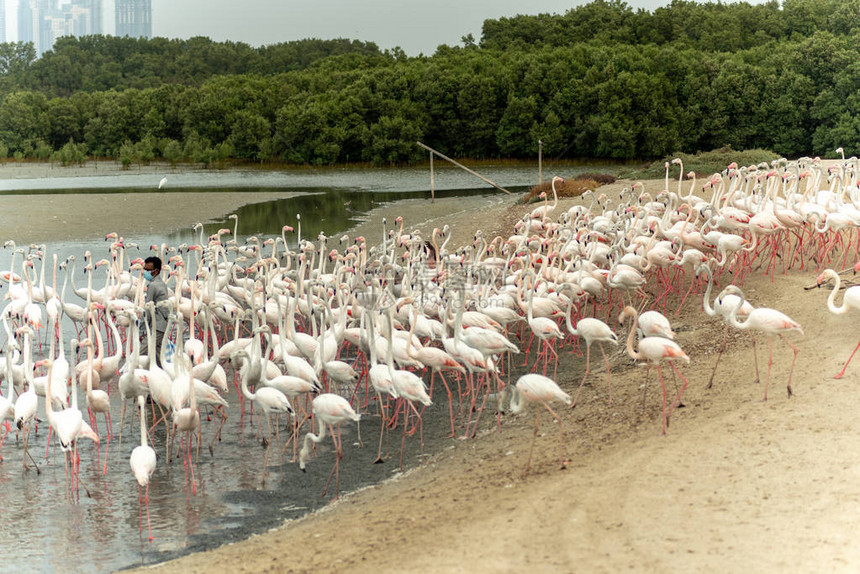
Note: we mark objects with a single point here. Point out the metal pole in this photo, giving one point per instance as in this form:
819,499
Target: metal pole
476,174
432,181
540,162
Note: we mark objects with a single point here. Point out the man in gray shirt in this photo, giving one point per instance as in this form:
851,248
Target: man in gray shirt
156,291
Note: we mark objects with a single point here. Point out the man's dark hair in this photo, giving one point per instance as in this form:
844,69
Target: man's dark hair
156,263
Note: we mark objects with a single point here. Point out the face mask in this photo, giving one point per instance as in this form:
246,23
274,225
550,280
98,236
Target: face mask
147,275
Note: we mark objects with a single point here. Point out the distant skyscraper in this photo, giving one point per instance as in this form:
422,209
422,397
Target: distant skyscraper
2,20
28,22
134,18
42,21
95,22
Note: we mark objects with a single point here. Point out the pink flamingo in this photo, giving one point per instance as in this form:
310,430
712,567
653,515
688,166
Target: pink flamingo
724,308
591,330
330,410
545,210
654,350
769,321
850,300
536,388
142,463
436,360
546,330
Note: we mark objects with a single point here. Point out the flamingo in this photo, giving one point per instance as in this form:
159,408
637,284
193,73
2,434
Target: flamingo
27,402
769,321
546,330
850,300
7,406
591,330
267,399
132,381
654,350
142,464
380,378
535,388
655,324
546,210
330,410
66,423
98,401
436,360
409,386
185,419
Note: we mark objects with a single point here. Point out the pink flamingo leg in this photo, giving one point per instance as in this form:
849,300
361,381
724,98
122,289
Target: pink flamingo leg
560,436
842,372
148,523
769,364
663,388
608,376
793,360
719,355
681,392
534,438
585,376
450,402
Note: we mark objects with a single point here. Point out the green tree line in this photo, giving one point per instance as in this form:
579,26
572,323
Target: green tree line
601,81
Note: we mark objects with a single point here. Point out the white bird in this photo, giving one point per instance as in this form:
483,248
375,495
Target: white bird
535,388
330,410
161,184
142,462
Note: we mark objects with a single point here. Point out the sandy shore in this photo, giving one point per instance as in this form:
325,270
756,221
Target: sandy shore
737,484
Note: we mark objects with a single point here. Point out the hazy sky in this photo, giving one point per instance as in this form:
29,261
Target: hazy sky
414,25
417,26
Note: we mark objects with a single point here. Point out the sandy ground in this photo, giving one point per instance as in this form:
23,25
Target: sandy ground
736,485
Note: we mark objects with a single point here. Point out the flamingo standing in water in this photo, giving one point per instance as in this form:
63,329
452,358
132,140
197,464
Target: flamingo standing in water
66,423
769,321
330,410
850,300
27,402
142,463
535,388
7,406
654,350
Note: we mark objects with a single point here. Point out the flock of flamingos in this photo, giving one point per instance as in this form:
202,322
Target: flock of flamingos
316,336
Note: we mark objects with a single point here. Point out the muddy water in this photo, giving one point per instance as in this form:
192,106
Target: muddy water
234,499
100,530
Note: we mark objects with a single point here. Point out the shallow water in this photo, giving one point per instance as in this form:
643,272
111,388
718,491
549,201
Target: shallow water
99,532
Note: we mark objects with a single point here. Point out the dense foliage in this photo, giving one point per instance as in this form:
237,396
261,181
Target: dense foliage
601,81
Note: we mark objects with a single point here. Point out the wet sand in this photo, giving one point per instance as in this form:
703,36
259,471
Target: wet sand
75,217
736,485
79,216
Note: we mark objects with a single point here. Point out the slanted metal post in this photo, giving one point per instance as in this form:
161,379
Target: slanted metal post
461,166
432,180
540,162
